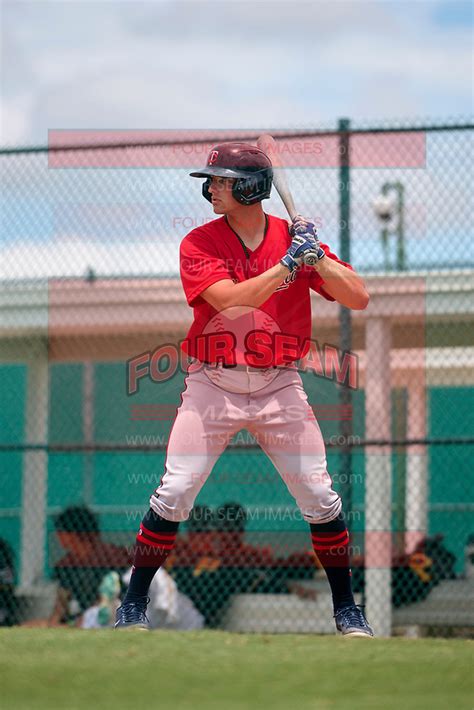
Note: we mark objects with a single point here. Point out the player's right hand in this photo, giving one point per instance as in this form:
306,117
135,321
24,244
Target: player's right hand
301,225
303,248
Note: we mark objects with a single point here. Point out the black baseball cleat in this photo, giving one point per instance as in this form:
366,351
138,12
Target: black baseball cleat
351,621
132,615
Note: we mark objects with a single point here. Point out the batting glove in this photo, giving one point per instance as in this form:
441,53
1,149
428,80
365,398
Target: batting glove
303,248
300,225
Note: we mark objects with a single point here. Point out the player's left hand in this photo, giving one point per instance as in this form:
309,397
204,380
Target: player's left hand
303,248
300,225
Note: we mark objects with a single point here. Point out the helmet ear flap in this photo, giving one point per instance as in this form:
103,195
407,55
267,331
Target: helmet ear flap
250,190
239,188
205,189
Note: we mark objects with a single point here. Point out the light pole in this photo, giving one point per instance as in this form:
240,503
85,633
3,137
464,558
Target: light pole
389,207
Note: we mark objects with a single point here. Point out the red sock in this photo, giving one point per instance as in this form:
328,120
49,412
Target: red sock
155,540
331,545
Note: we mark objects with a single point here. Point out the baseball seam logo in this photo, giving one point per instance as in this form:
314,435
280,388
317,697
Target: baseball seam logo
218,324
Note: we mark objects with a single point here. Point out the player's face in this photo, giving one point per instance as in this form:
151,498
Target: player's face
221,192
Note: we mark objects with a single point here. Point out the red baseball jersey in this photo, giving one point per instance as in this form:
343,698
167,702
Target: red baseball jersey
276,333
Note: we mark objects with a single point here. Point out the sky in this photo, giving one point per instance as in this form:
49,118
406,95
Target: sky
230,64
227,64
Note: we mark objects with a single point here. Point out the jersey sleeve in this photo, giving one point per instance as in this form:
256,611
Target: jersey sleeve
316,282
200,266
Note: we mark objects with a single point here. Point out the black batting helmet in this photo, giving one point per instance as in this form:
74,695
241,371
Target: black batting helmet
250,166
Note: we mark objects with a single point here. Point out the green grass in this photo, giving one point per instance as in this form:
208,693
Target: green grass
101,670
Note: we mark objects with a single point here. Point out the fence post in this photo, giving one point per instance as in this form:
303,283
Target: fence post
88,402
416,504
35,470
345,316
378,479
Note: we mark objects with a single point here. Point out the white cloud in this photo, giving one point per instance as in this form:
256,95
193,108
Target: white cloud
14,120
233,64
425,64
74,256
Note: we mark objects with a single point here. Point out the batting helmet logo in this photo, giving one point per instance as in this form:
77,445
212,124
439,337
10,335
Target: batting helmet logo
212,157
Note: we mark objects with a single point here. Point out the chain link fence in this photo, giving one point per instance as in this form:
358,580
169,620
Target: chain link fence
91,298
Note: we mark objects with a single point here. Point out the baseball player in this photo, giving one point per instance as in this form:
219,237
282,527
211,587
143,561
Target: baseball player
248,276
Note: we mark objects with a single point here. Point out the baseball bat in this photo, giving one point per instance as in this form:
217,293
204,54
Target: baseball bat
267,143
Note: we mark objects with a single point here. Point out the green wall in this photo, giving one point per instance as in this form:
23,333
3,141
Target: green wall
126,479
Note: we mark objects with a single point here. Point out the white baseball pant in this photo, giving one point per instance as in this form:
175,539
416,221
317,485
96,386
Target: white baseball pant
272,405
